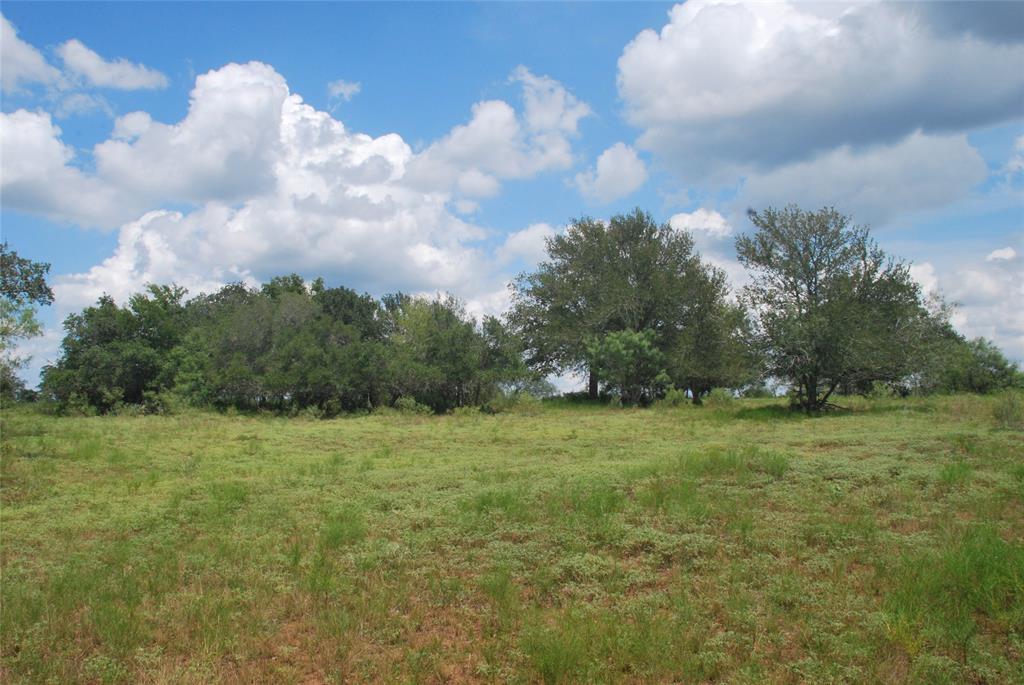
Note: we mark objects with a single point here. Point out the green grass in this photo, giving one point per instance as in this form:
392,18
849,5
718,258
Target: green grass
739,543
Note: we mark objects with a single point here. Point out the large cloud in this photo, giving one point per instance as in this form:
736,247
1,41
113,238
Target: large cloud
729,86
275,185
36,175
873,184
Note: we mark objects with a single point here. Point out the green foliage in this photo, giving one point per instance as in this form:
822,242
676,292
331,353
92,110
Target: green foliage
286,348
1008,410
832,309
971,366
674,397
630,365
719,398
939,596
408,405
629,274
118,355
22,287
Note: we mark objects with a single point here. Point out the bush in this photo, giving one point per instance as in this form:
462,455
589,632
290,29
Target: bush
1008,411
465,412
407,405
719,398
514,403
674,397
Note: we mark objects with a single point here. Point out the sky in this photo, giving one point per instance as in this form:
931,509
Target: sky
434,147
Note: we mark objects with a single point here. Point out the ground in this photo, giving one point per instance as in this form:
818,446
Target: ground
739,544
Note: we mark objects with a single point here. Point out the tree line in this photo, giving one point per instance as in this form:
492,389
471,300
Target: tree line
628,303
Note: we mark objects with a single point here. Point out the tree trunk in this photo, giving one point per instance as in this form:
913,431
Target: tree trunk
812,394
592,386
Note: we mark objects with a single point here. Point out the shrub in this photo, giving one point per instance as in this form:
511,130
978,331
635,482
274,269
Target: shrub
719,398
1008,411
674,397
408,405
513,403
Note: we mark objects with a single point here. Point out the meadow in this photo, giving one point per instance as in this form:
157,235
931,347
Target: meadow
559,543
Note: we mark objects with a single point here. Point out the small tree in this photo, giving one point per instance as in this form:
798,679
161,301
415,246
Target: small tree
832,309
629,363
22,287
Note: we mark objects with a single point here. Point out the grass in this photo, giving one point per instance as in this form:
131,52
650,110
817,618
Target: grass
739,543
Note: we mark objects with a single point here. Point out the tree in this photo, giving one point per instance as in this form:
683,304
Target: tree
715,349
627,274
22,287
112,355
630,363
832,309
975,366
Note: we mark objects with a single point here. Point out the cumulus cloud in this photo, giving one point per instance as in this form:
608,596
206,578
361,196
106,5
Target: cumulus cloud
271,185
37,175
1002,254
619,172
498,143
119,74
702,222
343,90
528,245
989,295
20,63
924,274
728,86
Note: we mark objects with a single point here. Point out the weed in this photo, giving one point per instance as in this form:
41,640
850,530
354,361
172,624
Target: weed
1008,410
341,528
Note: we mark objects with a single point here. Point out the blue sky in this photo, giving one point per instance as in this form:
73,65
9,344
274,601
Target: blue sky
432,147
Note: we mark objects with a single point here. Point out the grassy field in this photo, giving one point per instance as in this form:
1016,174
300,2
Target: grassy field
739,544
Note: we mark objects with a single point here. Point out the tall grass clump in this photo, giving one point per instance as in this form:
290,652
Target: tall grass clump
941,594
1008,410
719,398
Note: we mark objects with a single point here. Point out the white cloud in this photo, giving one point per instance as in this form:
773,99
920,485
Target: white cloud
81,103
875,184
20,63
924,274
343,90
989,295
619,172
1002,254
528,245
36,175
497,143
728,86
702,222
275,185
224,149
120,74
132,125
549,106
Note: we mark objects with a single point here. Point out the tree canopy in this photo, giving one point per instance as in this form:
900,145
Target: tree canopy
22,287
629,274
831,307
